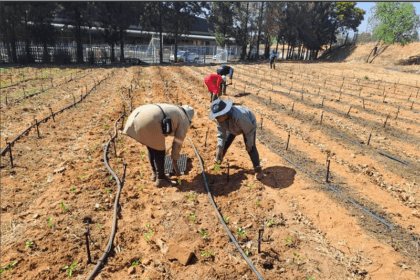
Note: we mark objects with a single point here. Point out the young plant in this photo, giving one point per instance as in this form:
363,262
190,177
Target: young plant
140,187
310,278
73,190
8,267
136,262
69,269
192,217
366,78
98,225
225,219
29,244
111,177
270,223
148,235
179,182
207,254
298,257
83,177
148,224
141,175
288,240
190,197
107,191
142,153
257,203
247,253
64,207
216,167
249,186
241,232
118,159
50,224
203,233
106,127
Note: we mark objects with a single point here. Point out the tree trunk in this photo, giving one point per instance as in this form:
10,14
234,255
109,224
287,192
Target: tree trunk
112,53
160,35
13,45
245,43
376,47
316,54
282,54
176,40
378,53
259,30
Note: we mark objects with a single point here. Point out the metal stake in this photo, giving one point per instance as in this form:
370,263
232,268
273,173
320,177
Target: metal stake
322,116
37,130
10,153
328,171
293,106
349,111
386,120
322,104
52,114
260,235
262,123
369,139
87,241
412,105
205,141
397,113
227,175
288,138
363,100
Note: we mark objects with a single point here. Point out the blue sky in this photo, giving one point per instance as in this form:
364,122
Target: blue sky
367,5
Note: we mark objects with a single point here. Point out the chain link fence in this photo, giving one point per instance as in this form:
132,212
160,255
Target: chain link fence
102,54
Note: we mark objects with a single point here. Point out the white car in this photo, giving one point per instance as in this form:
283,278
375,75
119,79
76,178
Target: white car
186,56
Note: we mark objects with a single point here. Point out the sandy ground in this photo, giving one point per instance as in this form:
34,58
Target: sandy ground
363,225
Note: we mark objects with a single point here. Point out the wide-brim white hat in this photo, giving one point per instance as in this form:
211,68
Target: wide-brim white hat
220,107
189,110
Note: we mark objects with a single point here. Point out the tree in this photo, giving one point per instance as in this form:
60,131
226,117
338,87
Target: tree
393,22
221,16
10,23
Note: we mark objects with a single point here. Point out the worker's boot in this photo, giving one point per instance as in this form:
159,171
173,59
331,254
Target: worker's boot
153,177
258,173
161,183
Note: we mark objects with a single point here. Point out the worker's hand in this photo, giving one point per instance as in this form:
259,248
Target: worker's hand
176,169
248,149
219,156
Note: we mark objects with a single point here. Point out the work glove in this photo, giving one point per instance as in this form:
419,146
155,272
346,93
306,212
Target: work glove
219,156
176,169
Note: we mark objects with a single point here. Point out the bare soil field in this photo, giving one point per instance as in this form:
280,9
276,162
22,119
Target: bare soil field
360,220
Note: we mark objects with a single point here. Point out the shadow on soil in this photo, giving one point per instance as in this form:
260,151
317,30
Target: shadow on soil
338,54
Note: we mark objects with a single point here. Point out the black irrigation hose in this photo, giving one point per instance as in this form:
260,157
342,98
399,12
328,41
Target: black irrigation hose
3,152
394,158
220,216
116,203
331,187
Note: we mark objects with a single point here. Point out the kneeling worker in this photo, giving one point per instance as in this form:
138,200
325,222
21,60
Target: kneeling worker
232,121
145,125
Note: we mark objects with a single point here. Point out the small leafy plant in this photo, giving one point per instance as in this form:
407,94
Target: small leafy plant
73,190
203,233
192,217
89,159
148,235
216,167
250,185
298,257
190,197
366,78
140,187
288,239
179,182
247,253
241,232
64,207
107,191
136,262
8,267
142,153
106,127
141,175
270,223
98,225
257,203
69,269
111,177
50,224
29,244
148,224
207,254
225,219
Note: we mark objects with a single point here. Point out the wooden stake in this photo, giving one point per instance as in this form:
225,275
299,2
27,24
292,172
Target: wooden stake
370,135
322,116
363,101
397,112
328,171
412,105
322,103
288,138
262,123
52,114
386,120
293,106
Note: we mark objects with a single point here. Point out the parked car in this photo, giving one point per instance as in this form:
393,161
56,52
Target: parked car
185,56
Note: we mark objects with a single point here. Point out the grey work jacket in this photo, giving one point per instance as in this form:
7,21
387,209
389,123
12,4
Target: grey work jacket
241,121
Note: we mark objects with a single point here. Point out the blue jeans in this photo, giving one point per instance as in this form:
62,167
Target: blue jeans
253,154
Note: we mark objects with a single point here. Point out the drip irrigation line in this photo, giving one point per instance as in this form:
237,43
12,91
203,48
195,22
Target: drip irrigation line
220,216
116,203
3,152
330,187
394,158
345,137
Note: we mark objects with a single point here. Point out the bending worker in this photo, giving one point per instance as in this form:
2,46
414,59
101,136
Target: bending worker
232,121
273,57
145,125
214,85
223,71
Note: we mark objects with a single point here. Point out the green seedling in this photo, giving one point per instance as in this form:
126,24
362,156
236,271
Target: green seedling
8,267
179,182
366,78
207,254
118,159
288,239
216,167
192,217
73,190
64,207
241,232
111,177
141,166
148,235
50,224
69,269
136,262
107,191
98,225
141,175
191,197
142,155
298,257
92,244
29,244
140,187
102,209
121,143
203,233
148,224
257,203
83,177
106,127
247,253
270,223
310,278
225,219
250,186
86,168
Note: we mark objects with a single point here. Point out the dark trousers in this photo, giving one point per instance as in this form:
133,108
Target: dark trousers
253,154
214,96
272,64
157,161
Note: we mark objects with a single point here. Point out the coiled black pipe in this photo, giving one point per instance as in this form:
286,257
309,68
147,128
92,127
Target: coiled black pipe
220,216
116,203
